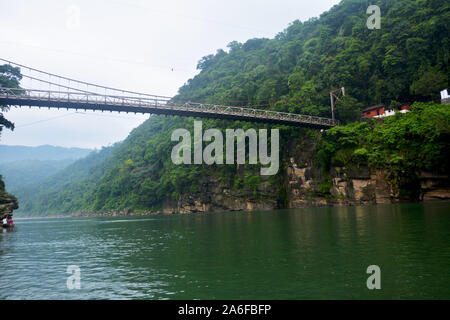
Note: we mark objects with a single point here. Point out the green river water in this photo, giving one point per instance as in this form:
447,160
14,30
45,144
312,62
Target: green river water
314,253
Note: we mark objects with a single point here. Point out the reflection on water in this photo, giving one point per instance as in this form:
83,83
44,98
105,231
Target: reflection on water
317,253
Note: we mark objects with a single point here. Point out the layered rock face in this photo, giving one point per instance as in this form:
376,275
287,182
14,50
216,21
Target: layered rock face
434,187
213,197
8,203
299,187
349,187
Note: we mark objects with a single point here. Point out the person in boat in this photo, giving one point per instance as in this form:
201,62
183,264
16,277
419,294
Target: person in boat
5,221
10,221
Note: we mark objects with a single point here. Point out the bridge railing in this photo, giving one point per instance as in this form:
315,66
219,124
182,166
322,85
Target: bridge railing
81,97
84,98
260,113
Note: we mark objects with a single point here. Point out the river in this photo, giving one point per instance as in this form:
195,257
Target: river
313,253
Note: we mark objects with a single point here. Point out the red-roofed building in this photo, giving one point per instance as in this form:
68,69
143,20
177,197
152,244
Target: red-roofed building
380,111
374,111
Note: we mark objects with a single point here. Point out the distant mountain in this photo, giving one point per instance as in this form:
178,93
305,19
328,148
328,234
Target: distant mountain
45,152
83,173
21,173
23,166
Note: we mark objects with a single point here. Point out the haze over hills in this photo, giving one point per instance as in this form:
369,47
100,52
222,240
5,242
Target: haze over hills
78,174
45,152
22,166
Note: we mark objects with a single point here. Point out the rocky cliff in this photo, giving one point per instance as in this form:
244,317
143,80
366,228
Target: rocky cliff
8,202
303,184
399,158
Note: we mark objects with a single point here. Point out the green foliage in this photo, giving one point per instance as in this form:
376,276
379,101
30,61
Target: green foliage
2,184
429,85
348,109
404,145
252,181
292,72
9,78
325,185
406,60
360,155
137,174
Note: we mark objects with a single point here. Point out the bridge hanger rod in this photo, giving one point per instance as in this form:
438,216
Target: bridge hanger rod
117,96
207,105
84,91
108,88
81,93
82,82
153,97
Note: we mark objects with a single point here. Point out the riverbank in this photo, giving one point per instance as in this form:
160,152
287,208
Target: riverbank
8,202
162,213
396,159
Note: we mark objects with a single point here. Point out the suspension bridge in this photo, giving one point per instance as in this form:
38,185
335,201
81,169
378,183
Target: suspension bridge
60,92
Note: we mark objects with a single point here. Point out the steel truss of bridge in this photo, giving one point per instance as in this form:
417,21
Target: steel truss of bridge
154,105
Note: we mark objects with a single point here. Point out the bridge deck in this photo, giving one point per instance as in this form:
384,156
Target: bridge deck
156,105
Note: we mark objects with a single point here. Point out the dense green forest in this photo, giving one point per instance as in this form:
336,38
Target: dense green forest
404,145
406,60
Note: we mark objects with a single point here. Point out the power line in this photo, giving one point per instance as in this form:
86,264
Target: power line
88,84
201,19
106,115
79,81
44,120
72,113
102,58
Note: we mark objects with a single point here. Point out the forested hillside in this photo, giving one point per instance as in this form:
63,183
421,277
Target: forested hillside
405,61
61,190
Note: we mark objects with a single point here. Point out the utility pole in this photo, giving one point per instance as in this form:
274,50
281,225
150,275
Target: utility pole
334,95
332,105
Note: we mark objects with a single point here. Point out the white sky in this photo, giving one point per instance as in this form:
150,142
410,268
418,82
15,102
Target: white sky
132,45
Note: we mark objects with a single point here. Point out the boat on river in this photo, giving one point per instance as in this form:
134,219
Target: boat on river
7,221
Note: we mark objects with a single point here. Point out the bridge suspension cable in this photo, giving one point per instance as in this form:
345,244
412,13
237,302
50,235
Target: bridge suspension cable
88,84
135,102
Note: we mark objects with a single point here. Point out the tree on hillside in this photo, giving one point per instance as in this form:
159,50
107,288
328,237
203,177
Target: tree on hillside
348,109
429,85
9,78
406,60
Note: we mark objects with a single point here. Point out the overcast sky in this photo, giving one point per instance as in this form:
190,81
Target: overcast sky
146,46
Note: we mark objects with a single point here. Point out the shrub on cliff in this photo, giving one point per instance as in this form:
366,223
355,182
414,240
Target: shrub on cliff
403,145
